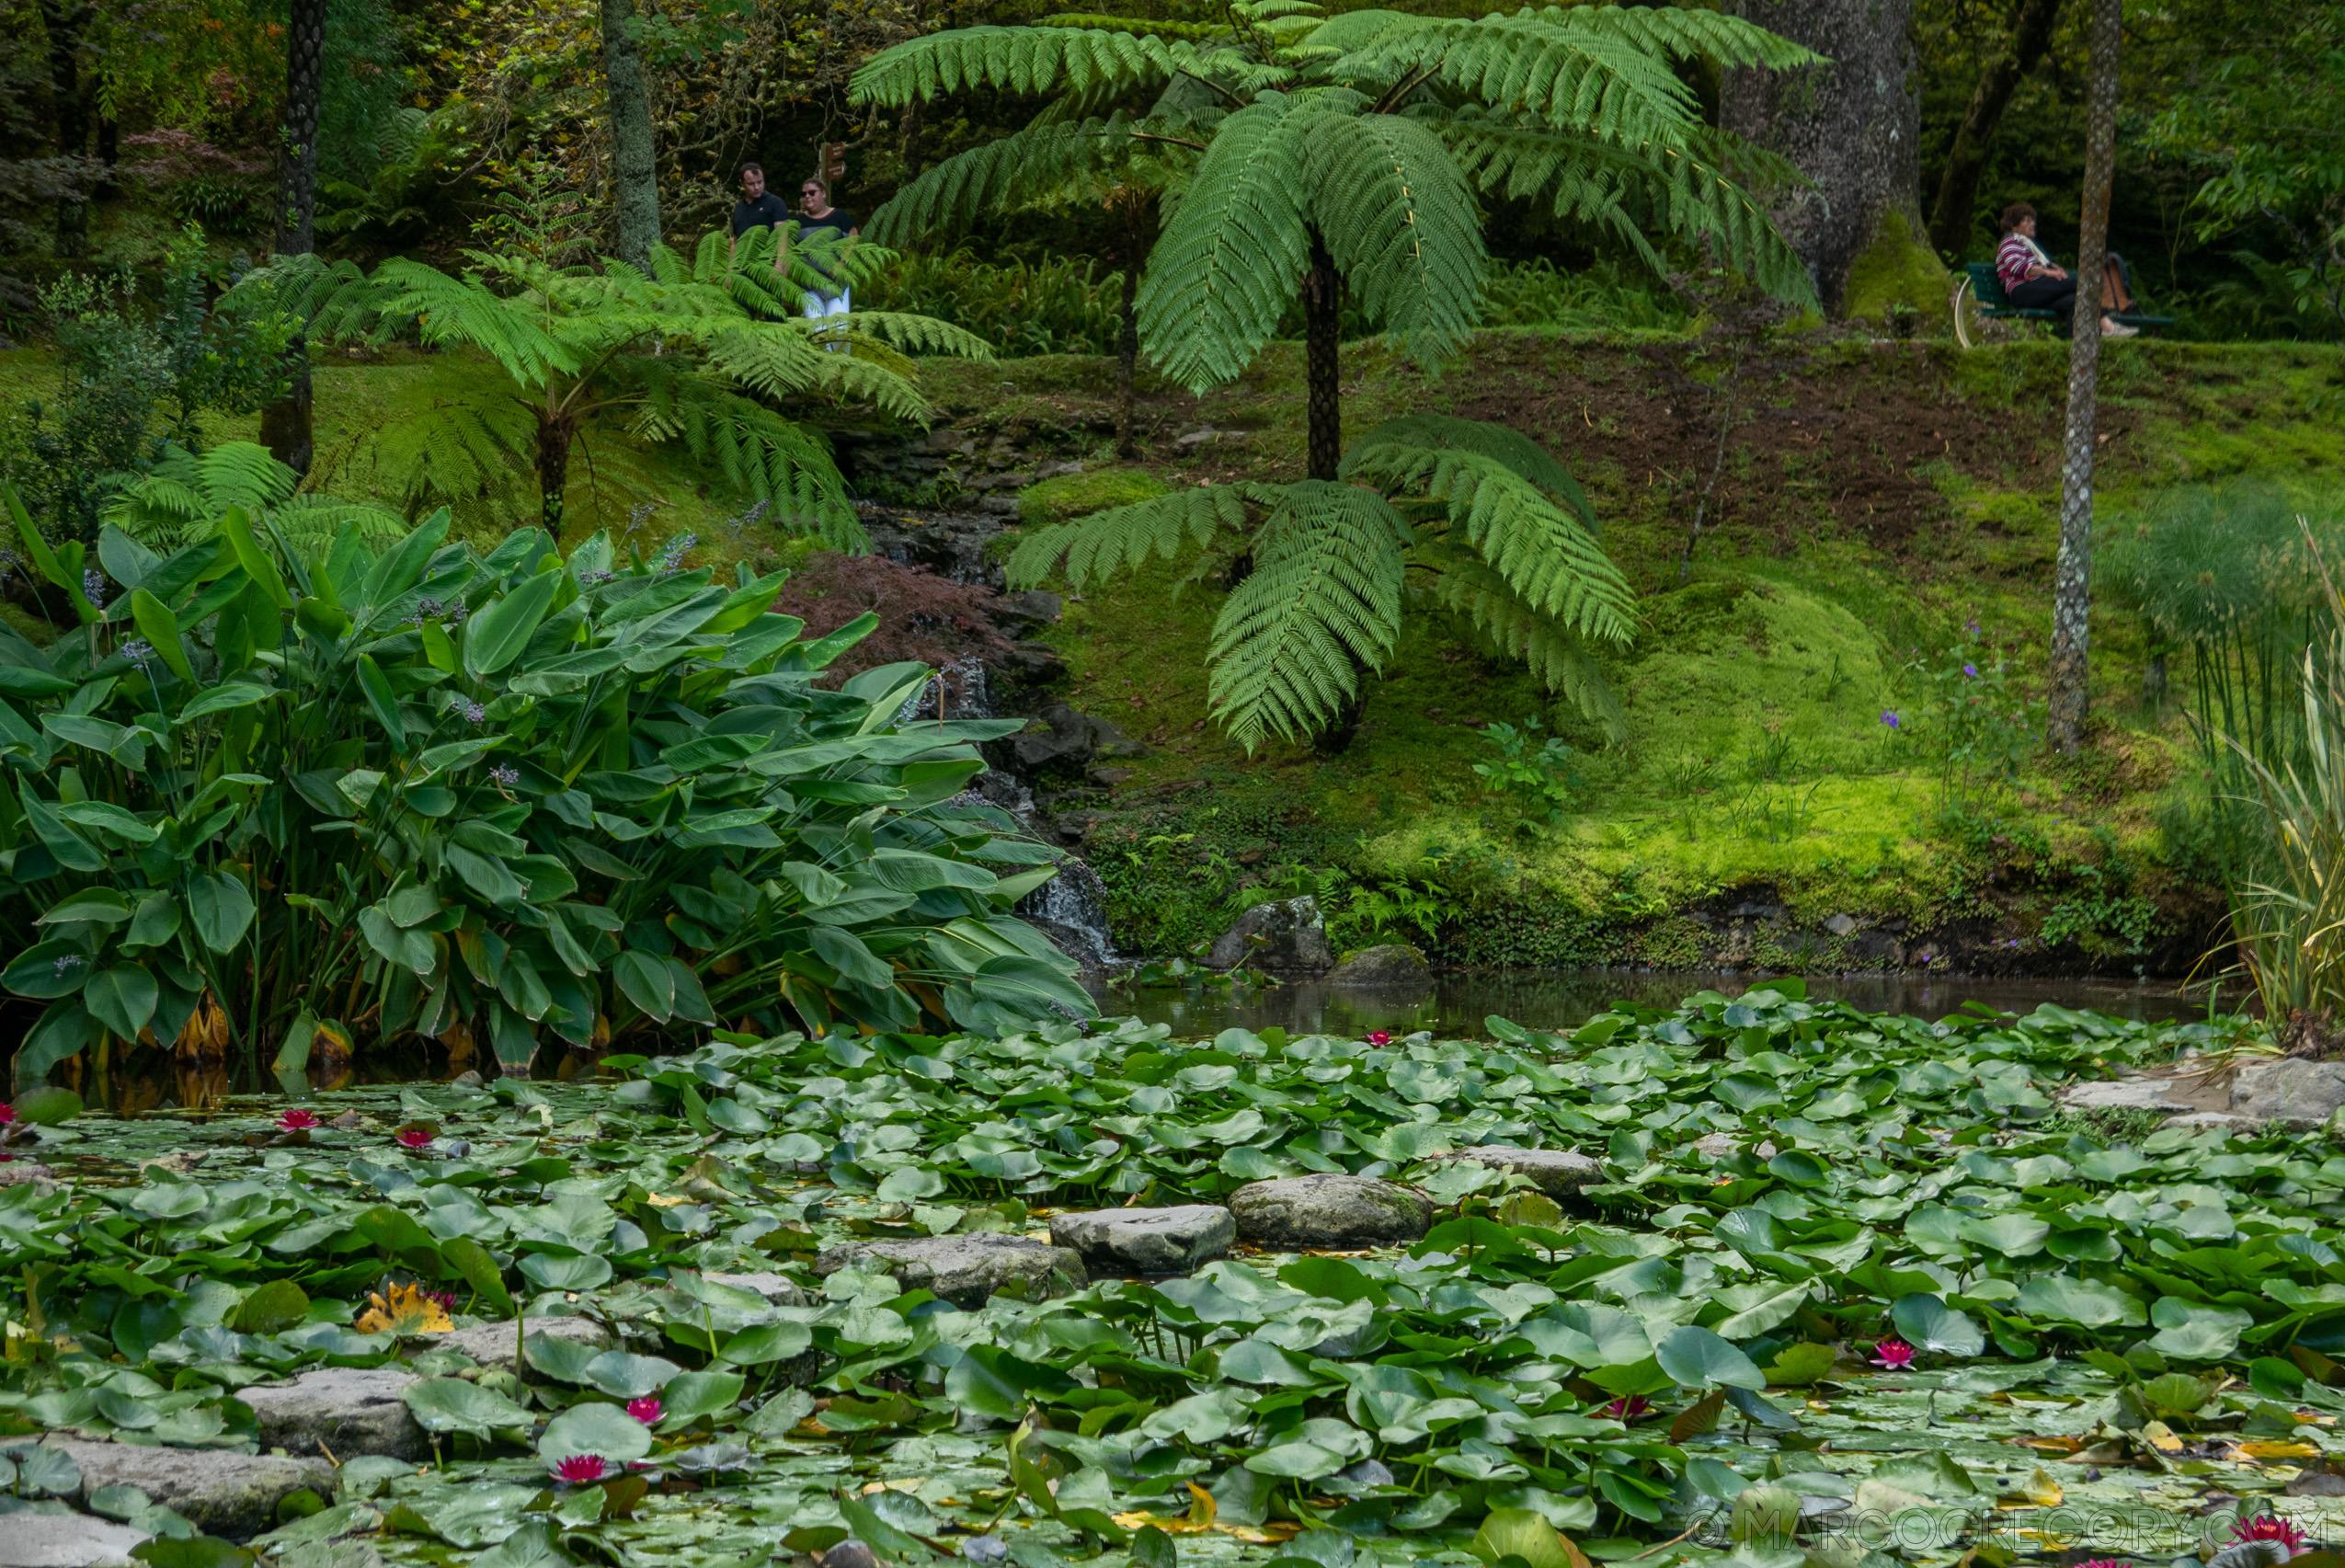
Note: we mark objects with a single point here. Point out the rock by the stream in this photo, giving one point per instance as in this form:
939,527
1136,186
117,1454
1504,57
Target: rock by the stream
1329,1210
1286,934
1558,1173
1723,1145
2291,1092
341,1411
1071,738
965,1270
777,1288
220,1492
492,1344
1391,965
66,1541
15,1173
1145,1240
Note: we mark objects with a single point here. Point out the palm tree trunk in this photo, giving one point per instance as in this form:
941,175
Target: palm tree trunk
286,426
633,162
2071,577
1958,188
1322,360
555,431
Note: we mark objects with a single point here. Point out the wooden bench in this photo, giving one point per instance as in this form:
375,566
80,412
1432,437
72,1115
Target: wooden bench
1979,296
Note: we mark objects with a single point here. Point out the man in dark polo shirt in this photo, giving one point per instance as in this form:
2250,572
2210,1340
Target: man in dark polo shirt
758,208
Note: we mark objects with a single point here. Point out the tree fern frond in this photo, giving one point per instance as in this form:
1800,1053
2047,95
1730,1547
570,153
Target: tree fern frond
463,311
1502,623
1680,32
1322,601
1545,551
1018,60
1026,168
1123,537
312,522
1594,81
1400,225
916,334
176,502
1198,32
1232,253
765,455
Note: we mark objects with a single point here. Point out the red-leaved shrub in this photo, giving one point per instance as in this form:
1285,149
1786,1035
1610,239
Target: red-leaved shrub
922,616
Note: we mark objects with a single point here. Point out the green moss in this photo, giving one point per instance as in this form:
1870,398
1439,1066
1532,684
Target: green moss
1896,270
1078,495
31,627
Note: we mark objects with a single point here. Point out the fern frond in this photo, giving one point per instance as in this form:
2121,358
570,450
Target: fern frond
1321,603
1017,60
1591,80
1502,623
1030,167
1232,253
1538,533
174,503
1197,32
916,334
1400,225
463,311
312,523
1123,537
1681,32
761,453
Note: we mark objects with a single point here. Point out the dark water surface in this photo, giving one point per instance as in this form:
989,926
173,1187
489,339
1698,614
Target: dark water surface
1564,998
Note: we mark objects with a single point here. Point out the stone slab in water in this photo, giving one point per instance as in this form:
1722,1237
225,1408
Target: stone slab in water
965,1270
1329,1210
220,1492
777,1288
341,1411
1145,1240
1288,934
2292,1093
66,1541
492,1344
1558,1173
1393,964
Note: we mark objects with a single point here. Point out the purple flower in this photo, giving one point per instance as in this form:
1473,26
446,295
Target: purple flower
1972,670
1891,719
93,587
475,713
138,651
505,777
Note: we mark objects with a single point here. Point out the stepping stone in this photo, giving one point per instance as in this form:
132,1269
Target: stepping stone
1391,965
965,1270
1145,1240
1330,1211
1558,1173
220,1492
779,1289
492,1344
339,1411
2295,1094
67,1541
1720,1145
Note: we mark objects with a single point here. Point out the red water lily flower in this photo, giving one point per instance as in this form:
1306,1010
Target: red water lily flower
1893,1354
412,1138
1636,1407
7,1114
648,1410
1379,1036
295,1121
2270,1527
580,1469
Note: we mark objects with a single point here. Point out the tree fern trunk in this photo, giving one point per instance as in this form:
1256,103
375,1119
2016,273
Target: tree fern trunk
554,434
1958,189
285,425
64,21
2072,575
1128,355
1322,304
633,162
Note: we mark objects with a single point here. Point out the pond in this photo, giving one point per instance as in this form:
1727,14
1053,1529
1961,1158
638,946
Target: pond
1456,1004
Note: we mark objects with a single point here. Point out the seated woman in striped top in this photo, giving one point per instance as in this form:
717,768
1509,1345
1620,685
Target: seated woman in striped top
2032,282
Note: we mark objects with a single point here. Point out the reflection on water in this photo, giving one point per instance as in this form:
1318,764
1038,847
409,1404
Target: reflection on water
1564,998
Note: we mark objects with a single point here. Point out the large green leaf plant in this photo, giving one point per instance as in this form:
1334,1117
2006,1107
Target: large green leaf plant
510,798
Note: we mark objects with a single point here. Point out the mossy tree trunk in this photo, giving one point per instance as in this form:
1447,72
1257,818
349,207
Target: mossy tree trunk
634,168
1322,308
1958,188
556,429
286,426
2072,575
1852,127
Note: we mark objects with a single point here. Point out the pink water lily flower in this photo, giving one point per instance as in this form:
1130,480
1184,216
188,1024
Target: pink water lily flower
7,1114
2270,1527
413,1138
295,1121
1893,1354
646,1410
1379,1036
580,1469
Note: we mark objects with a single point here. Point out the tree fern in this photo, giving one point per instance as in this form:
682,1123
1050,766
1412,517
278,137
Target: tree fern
1017,60
1322,601
1401,222
1505,627
1121,538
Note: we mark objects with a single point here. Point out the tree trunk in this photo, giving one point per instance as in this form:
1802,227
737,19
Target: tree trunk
285,425
1958,188
633,163
1128,356
1852,127
2071,577
1322,360
554,434
63,20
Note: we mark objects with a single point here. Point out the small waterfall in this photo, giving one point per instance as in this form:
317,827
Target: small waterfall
1070,909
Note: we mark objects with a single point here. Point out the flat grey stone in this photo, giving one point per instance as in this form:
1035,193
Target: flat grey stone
2294,1093
66,1541
16,1171
1286,934
1393,964
1145,1240
2198,1119
965,1270
492,1344
777,1288
220,1492
1558,1173
339,1411
1329,1210
1719,1144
